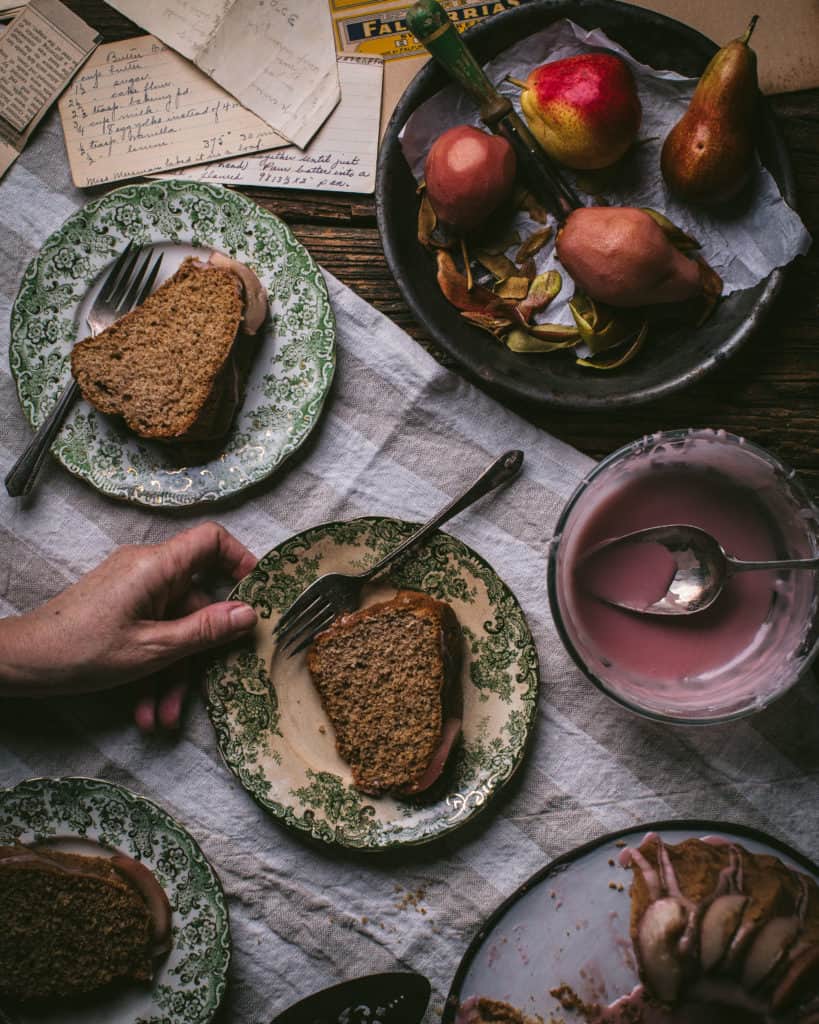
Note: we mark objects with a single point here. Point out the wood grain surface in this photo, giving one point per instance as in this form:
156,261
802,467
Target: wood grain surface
768,392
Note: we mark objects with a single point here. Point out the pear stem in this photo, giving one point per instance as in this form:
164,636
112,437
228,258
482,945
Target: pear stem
517,82
750,29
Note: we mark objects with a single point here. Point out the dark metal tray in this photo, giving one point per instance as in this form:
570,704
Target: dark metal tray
674,357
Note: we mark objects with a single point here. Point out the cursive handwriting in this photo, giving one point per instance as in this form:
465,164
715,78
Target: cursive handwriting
138,108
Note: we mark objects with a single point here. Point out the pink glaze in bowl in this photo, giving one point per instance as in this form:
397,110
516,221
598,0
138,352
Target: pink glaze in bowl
760,635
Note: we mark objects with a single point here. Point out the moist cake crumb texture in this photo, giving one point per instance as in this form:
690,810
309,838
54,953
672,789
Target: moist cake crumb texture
67,934
381,674
159,364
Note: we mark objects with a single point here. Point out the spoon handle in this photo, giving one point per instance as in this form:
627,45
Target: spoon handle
505,468
786,563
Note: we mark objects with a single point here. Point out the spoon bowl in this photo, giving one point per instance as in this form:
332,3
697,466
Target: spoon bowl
698,569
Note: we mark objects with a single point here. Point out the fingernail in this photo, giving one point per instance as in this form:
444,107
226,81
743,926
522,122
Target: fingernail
242,617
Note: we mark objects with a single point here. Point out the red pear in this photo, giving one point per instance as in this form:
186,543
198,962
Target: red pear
622,257
708,156
583,110
468,174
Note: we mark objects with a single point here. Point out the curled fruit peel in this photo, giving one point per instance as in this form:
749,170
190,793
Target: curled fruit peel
514,287
675,235
454,286
499,314
498,265
542,291
519,340
496,325
620,360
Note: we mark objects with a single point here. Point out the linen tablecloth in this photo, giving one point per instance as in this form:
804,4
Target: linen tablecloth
400,436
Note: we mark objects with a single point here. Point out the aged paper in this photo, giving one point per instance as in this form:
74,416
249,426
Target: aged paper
39,52
137,107
381,28
341,158
275,56
785,38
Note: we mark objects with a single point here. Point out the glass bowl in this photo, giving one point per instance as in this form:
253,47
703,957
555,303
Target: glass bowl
761,634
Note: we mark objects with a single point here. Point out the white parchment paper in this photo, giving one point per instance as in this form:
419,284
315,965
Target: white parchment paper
742,244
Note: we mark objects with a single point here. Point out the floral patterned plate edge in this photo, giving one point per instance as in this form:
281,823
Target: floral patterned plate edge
80,815
275,736
291,372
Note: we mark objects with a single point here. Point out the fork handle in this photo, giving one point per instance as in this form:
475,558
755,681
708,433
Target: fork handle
502,470
21,476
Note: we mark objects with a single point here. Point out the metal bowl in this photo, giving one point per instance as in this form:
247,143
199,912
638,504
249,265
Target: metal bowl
678,356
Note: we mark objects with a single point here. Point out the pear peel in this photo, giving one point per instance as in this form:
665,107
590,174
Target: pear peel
495,325
533,244
542,290
675,235
453,284
612,336
519,340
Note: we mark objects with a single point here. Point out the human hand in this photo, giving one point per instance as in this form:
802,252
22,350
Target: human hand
140,611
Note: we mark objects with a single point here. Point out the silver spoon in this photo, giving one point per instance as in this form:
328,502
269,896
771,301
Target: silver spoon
703,566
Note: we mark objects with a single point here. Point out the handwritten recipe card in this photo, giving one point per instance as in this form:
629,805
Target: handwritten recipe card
137,108
277,57
341,158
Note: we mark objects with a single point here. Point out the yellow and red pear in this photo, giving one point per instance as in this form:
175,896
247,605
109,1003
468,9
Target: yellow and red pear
583,110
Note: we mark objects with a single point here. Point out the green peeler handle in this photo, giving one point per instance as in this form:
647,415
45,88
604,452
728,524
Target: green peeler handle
430,25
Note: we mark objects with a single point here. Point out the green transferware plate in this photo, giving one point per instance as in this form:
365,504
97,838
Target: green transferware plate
81,816
292,369
275,736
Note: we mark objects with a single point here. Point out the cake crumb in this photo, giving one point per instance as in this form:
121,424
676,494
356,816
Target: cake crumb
571,1001
412,899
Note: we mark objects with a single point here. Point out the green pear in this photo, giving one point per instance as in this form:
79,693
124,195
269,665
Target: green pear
707,157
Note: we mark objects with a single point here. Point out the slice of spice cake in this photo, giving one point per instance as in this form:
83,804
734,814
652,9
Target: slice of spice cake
74,924
389,679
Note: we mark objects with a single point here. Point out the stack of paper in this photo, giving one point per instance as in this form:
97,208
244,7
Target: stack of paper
39,52
276,57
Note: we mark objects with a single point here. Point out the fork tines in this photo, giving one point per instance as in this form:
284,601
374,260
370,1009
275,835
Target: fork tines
110,283
124,287
307,615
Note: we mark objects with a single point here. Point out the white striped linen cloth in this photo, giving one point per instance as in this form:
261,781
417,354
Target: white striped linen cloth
399,437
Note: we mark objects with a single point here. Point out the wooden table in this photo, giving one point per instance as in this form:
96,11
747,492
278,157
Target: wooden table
768,392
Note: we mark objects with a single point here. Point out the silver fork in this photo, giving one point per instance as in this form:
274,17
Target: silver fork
335,593
122,289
